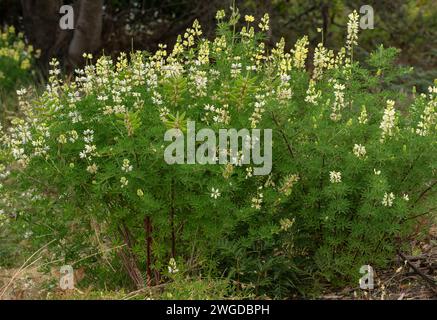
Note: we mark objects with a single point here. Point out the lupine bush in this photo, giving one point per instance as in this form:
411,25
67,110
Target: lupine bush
16,59
352,161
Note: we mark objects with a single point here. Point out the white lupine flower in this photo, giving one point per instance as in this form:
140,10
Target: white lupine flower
352,31
88,151
173,70
257,201
359,150
264,24
339,102
387,201
256,116
90,148
406,197
335,176
28,234
199,81
323,60
21,92
55,72
75,116
163,113
119,109
286,224
172,267
312,95
127,167
428,119
219,115
92,168
362,119
285,78
124,182
107,110
5,174
88,132
62,139
235,69
388,123
215,193
238,159
73,136
249,172
220,14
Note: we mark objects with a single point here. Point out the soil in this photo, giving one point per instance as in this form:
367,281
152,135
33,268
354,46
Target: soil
398,282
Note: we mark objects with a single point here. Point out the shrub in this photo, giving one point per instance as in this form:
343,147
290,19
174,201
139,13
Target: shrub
16,59
352,160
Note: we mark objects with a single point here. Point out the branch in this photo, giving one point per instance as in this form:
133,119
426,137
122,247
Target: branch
432,284
425,191
290,150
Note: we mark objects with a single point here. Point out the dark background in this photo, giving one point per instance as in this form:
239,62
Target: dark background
122,25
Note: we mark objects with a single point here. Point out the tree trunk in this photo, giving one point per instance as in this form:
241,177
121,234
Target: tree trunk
325,17
129,259
88,30
41,24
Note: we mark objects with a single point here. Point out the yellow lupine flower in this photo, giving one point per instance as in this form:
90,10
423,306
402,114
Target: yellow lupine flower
25,64
249,18
220,14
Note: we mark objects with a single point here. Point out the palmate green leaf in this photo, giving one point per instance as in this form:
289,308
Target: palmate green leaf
177,121
242,91
175,88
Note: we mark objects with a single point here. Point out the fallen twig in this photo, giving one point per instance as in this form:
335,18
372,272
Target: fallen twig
135,293
431,282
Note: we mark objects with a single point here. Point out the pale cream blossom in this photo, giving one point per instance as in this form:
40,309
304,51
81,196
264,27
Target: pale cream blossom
335,176
388,199
388,124
215,193
359,151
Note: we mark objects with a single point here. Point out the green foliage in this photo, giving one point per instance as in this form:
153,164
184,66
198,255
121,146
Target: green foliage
186,288
351,162
16,59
